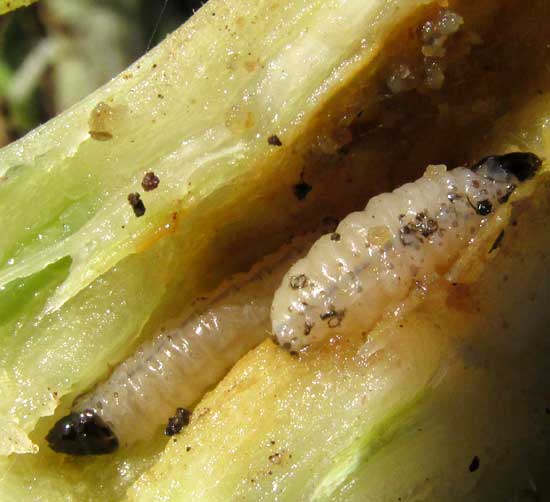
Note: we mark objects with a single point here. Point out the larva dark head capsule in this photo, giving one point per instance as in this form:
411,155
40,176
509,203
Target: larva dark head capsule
522,165
83,433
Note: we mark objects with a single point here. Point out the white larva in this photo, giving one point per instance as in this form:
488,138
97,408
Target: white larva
177,367
180,365
350,277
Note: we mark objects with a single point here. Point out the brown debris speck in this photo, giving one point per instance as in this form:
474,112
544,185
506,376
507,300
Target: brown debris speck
177,422
335,237
274,140
101,122
474,464
137,204
275,458
301,190
334,317
421,226
298,281
150,181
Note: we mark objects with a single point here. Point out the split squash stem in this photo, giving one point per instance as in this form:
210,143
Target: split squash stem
87,266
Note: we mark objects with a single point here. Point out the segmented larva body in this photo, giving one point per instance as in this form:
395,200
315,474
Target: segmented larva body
176,368
180,365
350,277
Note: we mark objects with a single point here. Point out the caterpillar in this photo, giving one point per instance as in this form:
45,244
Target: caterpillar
349,277
172,371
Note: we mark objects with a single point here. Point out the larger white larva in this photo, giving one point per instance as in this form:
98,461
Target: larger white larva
351,276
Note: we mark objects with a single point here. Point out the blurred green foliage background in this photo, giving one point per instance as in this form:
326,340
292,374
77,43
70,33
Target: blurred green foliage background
55,52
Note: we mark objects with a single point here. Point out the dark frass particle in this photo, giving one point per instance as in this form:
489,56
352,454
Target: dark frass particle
83,433
474,464
177,422
298,281
137,204
421,226
406,235
150,181
334,317
425,225
335,236
301,190
274,140
327,315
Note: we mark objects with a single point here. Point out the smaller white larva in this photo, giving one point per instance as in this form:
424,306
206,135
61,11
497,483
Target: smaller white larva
374,257
173,371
